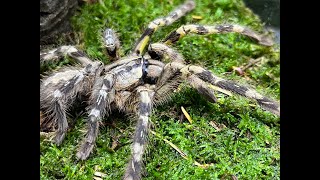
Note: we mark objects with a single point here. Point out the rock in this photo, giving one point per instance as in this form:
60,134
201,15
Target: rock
54,18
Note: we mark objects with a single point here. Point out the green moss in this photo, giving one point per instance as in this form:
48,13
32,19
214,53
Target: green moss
247,148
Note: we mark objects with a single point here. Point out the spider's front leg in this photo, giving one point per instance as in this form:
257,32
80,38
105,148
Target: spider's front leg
165,21
106,90
135,164
217,29
60,89
102,96
62,51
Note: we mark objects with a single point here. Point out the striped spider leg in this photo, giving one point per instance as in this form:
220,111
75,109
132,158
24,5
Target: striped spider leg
174,15
66,77
99,105
143,96
174,36
114,87
229,86
170,77
203,80
61,88
59,53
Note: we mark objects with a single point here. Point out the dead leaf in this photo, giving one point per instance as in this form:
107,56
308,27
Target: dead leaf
98,175
196,17
217,126
186,114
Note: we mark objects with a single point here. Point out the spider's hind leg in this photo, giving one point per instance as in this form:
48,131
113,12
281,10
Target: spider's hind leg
217,29
171,77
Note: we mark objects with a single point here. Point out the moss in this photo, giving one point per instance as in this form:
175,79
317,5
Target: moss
248,146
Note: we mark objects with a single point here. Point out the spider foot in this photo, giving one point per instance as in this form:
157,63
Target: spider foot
89,142
59,137
266,41
84,151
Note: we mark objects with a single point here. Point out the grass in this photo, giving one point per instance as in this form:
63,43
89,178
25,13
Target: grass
247,148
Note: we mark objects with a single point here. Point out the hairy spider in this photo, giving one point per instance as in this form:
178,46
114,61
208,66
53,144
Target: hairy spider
134,84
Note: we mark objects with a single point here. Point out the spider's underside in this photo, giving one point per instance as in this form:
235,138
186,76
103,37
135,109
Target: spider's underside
135,84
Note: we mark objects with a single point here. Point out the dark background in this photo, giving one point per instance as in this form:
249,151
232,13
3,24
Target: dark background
269,12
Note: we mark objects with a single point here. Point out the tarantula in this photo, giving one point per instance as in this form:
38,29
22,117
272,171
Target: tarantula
135,84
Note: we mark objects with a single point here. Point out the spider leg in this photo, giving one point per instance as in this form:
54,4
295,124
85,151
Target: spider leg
207,76
134,166
102,96
202,79
111,43
170,78
164,21
202,88
105,92
59,53
60,89
217,29
160,51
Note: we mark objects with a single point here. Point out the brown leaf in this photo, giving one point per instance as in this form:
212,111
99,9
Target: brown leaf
217,126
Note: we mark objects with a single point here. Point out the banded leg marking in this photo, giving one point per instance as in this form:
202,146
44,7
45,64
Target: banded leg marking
58,53
206,29
198,77
207,76
161,51
55,91
101,98
202,88
60,89
165,21
135,165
